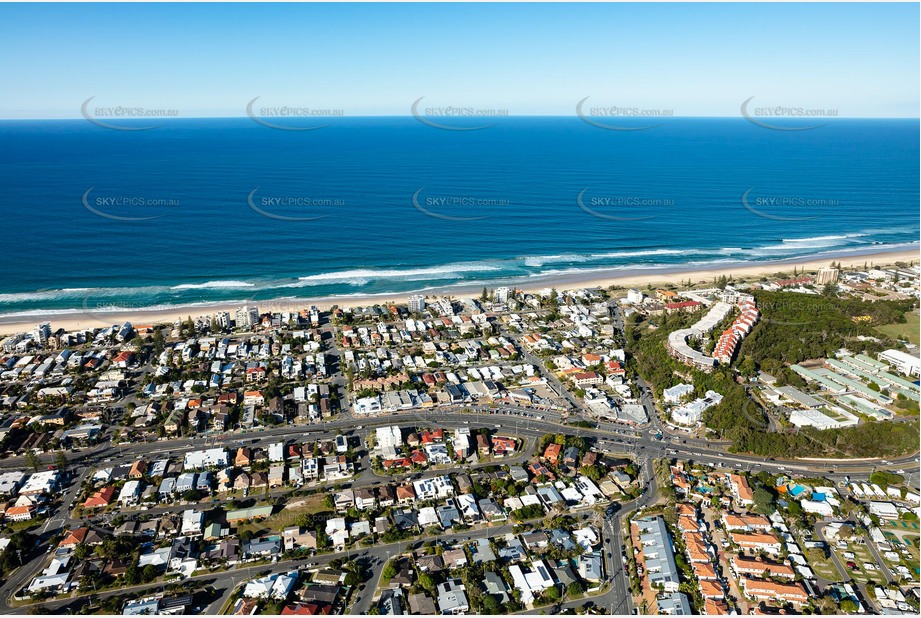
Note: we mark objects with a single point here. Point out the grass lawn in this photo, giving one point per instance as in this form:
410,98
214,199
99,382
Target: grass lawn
861,554
908,330
909,541
287,516
18,526
823,568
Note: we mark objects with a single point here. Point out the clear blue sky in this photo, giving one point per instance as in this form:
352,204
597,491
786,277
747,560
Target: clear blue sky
208,59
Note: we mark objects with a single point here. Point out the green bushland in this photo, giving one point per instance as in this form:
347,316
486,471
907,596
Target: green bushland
793,328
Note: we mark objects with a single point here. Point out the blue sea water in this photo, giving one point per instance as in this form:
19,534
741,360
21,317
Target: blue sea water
209,210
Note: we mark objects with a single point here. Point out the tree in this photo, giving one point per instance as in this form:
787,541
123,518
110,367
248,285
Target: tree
60,461
21,543
764,501
425,581
158,342
815,554
390,570
595,473
485,295
491,605
150,573
33,461
747,366
848,606
132,575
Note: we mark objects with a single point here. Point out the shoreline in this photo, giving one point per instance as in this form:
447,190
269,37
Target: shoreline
603,277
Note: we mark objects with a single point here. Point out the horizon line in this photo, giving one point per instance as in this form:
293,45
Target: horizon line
486,117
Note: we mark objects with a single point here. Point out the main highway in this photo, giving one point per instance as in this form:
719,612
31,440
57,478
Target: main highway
611,437
642,444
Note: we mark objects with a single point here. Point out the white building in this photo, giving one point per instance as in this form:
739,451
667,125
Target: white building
634,296
535,580
277,451
45,482
692,412
192,522
10,482
826,275
42,332
501,295
247,316
223,319
903,362
210,458
416,303
260,588
819,420
462,442
821,508
368,405
677,393
885,510
390,440
130,493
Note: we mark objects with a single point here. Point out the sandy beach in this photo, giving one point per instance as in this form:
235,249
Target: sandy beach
91,318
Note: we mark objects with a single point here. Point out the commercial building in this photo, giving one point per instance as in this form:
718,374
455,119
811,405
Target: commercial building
905,363
210,458
820,420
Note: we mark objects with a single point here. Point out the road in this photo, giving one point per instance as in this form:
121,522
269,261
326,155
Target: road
842,569
620,601
613,438
225,581
697,450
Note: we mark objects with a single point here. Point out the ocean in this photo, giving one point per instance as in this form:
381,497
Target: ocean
214,210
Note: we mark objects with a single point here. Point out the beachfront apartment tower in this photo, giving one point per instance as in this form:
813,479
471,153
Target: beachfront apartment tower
247,316
502,295
41,333
634,296
223,319
826,275
417,303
